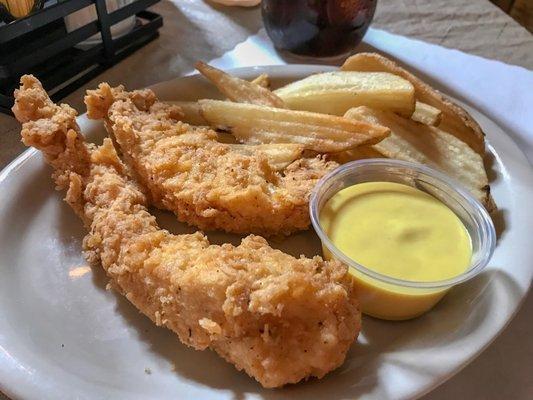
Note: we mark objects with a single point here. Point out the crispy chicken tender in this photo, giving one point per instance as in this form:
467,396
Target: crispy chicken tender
206,184
279,318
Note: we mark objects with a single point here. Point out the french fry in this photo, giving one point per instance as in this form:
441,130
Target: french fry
191,112
323,133
279,155
455,119
359,153
262,80
430,145
336,92
426,114
237,89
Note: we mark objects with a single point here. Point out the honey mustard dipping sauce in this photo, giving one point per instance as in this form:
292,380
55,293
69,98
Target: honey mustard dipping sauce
402,233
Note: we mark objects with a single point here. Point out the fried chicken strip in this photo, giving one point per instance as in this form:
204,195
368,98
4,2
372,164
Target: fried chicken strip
207,184
279,318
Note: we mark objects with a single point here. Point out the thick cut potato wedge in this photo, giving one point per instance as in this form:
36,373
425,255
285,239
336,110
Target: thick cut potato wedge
426,114
191,112
336,92
323,133
237,89
454,118
411,141
279,155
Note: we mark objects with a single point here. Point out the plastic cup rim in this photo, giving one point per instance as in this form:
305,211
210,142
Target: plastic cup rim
488,234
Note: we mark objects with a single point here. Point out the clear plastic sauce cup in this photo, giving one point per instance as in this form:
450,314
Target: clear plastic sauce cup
388,297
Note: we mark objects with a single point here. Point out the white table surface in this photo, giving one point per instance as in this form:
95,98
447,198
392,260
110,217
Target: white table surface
194,30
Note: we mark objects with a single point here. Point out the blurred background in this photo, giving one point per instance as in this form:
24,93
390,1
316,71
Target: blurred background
520,10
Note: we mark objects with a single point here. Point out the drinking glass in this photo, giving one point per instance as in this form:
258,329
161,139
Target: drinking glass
317,28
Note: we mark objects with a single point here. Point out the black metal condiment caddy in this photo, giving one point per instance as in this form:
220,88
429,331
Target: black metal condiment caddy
40,44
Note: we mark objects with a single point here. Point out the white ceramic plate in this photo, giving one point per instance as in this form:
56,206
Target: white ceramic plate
63,336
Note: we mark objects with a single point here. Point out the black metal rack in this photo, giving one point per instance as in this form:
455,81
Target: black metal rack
40,44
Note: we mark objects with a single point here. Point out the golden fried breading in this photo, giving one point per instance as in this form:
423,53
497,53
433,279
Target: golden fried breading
205,183
279,318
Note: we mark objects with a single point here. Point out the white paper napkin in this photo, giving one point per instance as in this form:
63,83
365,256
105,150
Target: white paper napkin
501,91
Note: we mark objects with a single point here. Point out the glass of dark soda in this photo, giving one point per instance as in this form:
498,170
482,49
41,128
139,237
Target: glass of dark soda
317,28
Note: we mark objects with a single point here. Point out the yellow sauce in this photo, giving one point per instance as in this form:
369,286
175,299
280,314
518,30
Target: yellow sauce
401,232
